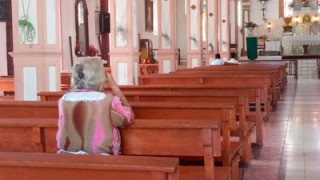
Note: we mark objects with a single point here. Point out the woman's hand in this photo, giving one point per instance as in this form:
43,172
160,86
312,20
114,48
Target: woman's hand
110,81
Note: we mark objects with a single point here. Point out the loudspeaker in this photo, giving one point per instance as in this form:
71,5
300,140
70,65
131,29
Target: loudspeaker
3,10
104,23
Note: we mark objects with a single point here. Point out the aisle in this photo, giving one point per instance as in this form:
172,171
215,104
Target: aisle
292,148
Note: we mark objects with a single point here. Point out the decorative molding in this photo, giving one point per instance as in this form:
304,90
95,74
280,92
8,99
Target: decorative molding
194,41
166,38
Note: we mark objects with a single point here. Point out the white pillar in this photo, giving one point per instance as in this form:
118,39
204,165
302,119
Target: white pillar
124,49
36,47
167,36
212,30
224,29
194,40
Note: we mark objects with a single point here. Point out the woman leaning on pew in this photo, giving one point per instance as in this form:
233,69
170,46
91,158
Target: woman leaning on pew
89,118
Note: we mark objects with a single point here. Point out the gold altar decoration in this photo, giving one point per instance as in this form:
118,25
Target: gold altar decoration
306,19
288,26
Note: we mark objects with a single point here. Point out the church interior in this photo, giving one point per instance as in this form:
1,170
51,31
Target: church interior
254,120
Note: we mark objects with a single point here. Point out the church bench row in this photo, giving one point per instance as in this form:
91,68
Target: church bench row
273,90
259,94
261,82
277,72
150,92
179,138
160,110
143,110
40,166
279,67
238,99
261,65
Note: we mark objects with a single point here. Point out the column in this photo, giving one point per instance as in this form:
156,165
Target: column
167,51
224,29
233,26
3,50
124,52
194,40
212,30
37,47
246,18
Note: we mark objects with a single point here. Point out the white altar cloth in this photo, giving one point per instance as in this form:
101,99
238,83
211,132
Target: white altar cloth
273,46
301,39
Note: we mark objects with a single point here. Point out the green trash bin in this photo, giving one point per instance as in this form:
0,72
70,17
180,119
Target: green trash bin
252,51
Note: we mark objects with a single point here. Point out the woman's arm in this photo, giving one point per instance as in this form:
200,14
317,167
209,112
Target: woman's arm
117,92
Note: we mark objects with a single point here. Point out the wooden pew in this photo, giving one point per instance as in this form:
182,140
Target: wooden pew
40,166
7,84
256,97
257,66
187,111
277,71
231,81
273,90
240,97
142,110
179,138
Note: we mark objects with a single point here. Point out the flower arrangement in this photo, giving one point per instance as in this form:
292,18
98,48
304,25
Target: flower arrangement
78,49
250,24
305,3
92,51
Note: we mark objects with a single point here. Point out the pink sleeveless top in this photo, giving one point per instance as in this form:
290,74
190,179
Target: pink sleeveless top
88,123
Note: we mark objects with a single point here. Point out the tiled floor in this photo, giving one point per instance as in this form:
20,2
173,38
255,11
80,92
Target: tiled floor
292,148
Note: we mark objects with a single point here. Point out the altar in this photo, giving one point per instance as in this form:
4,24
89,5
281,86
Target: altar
302,53
294,44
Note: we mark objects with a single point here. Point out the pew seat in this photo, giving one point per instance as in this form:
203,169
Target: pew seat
51,166
179,138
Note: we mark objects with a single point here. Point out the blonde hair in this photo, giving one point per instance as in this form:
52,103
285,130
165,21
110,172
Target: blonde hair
88,73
